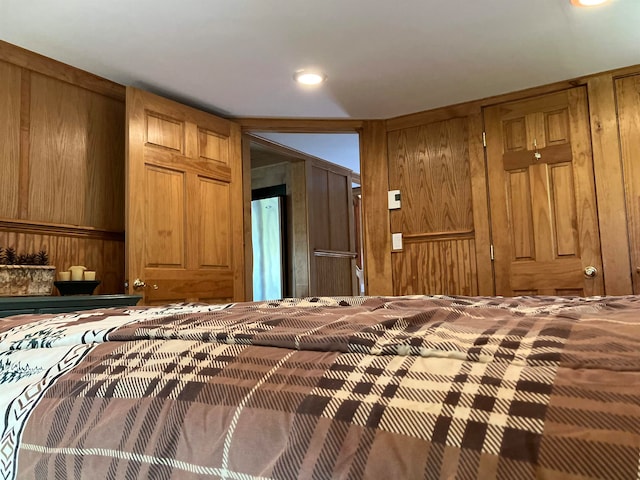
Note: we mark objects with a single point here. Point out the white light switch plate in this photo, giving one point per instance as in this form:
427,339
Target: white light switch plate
396,241
394,199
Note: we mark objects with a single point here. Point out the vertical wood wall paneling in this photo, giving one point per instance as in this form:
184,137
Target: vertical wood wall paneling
76,167
25,146
609,185
628,103
10,139
105,256
237,224
333,276
480,206
340,209
248,245
374,176
437,266
429,164
62,144
57,158
319,220
300,253
583,178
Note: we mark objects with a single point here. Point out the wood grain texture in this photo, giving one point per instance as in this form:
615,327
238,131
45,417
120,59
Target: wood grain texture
374,173
165,132
331,228
628,103
430,166
105,256
519,194
480,206
318,207
341,209
69,186
610,186
76,145
446,267
25,146
164,219
213,146
586,204
185,213
246,201
334,276
300,253
564,210
545,220
214,223
10,87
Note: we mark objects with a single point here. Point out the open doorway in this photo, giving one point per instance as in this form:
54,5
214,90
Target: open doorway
323,241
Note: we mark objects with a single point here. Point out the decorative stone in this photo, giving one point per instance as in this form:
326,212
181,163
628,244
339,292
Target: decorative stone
22,280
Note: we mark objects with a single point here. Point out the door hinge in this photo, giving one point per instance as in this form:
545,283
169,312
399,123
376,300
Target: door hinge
491,253
484,139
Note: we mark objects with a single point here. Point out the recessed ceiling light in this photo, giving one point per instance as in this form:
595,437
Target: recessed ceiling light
587,3
309,77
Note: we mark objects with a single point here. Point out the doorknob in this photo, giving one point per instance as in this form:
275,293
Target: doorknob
139,284
590,271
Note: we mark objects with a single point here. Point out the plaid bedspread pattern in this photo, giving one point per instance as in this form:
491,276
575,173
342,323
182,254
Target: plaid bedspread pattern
405,387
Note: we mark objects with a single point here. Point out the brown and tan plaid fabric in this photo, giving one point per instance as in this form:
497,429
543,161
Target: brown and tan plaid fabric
389,388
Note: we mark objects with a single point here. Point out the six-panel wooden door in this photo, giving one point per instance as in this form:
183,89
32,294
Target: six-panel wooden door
542,198
184,239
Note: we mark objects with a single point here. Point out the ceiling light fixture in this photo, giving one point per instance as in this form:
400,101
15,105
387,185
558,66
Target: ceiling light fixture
309,77
587,3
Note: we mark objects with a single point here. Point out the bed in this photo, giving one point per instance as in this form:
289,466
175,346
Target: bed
422,387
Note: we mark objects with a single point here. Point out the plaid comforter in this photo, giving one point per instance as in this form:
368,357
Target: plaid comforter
363,387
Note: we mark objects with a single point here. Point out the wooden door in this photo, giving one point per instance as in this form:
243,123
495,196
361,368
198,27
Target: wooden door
542,197
184,234
331,230
628,103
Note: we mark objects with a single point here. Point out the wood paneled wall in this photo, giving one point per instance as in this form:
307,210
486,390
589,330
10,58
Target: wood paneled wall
460,264
62,150
628,103
59,119
429,164
436,266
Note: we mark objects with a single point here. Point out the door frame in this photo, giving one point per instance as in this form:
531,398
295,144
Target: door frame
250,126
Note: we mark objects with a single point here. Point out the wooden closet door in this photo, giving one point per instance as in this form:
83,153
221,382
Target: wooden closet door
184,236
542,197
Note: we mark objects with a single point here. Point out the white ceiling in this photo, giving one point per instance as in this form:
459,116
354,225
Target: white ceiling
382,58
